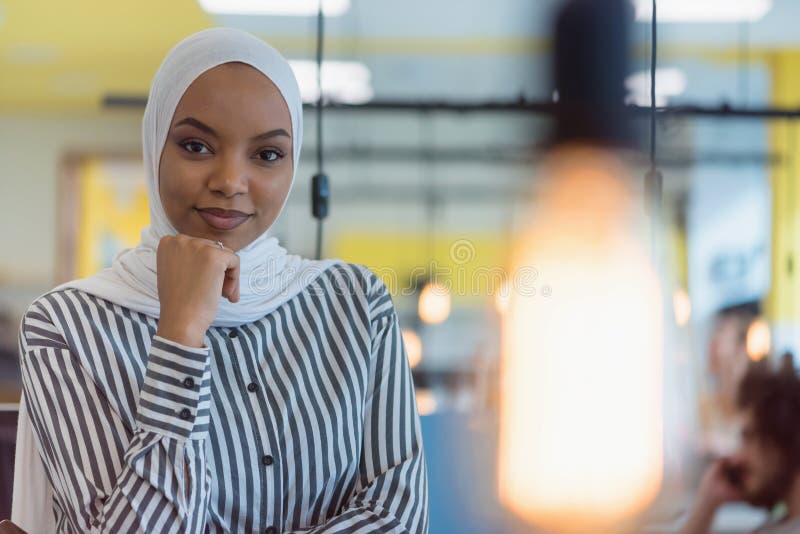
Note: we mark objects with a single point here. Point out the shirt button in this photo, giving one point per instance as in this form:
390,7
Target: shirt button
188,382
271,530
267,460
233,333
252,386
186,413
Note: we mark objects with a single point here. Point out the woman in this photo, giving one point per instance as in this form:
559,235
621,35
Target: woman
209,381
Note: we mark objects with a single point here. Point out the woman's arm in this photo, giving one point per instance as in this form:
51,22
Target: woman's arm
391,494
106,476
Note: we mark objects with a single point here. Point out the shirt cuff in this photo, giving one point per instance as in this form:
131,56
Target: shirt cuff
175,399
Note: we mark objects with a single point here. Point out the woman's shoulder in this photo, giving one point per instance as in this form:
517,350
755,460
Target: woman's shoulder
63,308
351,274
362,282
47,305
43,320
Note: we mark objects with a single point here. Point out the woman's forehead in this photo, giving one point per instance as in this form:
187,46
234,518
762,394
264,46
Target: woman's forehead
235,94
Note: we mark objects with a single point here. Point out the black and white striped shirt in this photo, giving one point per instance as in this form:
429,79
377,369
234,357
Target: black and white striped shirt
303,421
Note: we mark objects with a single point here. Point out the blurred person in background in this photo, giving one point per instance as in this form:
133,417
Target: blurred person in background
727,364
765,470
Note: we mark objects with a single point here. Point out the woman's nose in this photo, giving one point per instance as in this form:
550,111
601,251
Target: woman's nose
230,176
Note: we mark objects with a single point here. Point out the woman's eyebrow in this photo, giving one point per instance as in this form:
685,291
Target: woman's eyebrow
272,133
197,124
209,130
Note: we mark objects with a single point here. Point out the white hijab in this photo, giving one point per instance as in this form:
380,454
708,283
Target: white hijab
269,276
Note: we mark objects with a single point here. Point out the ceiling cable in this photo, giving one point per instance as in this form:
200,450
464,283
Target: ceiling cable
320,188
653,61
654,181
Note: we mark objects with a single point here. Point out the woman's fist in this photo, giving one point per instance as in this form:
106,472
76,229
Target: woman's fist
193,273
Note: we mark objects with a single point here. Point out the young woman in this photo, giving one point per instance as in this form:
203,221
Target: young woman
209,381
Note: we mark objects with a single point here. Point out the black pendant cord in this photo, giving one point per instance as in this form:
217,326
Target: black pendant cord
653,63
320,35
654,181
320,189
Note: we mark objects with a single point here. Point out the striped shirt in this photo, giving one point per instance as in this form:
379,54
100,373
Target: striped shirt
303,421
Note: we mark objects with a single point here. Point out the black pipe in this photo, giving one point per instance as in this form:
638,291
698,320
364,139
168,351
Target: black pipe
525,106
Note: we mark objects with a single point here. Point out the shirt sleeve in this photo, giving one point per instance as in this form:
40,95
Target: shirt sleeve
106,476
391,494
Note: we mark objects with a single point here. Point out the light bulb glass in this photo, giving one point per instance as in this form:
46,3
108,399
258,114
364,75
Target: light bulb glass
580,446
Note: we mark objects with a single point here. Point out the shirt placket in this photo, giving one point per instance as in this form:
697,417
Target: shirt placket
253,388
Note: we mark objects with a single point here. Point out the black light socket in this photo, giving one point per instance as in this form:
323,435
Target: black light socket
591,62
320,196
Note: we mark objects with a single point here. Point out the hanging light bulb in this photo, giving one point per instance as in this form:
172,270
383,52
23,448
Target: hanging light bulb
434,303
581,416
581,409
413,346
758,339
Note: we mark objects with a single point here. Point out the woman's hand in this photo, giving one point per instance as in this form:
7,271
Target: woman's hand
192,275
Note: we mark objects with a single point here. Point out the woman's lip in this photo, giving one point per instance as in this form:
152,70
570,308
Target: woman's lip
221,212
220,222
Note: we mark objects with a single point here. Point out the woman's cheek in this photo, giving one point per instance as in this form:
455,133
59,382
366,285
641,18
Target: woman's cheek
177,192
269,192
177,178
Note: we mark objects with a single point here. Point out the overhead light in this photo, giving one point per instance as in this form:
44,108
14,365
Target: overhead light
413,346
670,82
434,303
296,8
758,339
348,82
426,401
682,306
502,297
704,10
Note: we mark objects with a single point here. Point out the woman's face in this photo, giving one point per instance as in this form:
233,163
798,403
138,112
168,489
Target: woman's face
226,167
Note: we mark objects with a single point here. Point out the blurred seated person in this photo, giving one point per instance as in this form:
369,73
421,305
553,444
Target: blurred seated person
765,470
727,363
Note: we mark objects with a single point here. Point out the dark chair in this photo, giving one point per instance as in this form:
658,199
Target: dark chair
8,436
7,527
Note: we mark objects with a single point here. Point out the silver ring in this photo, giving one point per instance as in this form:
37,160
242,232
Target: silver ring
221,245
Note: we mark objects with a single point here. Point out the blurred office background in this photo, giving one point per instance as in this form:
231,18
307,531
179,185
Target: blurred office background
439,184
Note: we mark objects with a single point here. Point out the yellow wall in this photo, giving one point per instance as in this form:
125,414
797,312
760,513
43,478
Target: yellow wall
785,140
472,267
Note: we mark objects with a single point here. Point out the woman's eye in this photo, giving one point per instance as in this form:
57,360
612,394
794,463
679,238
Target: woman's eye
269,155
195,147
